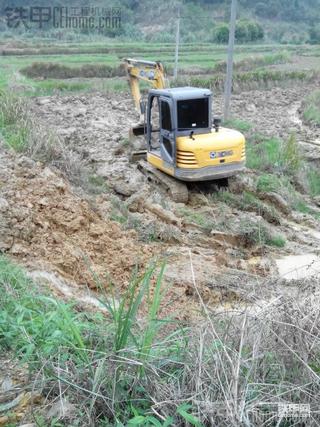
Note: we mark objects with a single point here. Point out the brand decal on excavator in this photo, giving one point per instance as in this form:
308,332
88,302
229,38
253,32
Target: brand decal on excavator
149,74
214,154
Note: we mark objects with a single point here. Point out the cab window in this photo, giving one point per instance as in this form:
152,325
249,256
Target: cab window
165,116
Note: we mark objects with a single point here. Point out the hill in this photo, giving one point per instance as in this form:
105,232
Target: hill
284,21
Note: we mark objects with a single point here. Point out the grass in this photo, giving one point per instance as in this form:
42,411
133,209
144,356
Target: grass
273,155
263,153
301,206
257,233
96,59
311,108
253,62
125,369
49,87
247,201
268,183
202,220
14,122
313,176
277,241
238,124
51,70
40,330
30,331
260,78
21,131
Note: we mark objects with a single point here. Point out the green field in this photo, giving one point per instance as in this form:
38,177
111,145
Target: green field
193,59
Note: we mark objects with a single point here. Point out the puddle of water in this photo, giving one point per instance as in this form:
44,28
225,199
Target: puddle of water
299,266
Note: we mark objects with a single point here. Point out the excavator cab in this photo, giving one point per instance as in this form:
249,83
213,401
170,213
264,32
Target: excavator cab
180,111
181,140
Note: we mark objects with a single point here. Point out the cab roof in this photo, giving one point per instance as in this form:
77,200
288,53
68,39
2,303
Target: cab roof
180,93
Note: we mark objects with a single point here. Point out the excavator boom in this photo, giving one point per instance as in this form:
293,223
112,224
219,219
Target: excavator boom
147,71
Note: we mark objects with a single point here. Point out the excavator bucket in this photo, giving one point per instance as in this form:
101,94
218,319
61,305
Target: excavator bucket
137,130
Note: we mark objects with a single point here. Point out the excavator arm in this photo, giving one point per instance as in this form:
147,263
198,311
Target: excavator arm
147,71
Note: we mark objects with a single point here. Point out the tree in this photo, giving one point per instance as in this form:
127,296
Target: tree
221,33
314,35
246,31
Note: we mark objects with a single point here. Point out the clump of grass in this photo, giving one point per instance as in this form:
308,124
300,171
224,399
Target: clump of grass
278,241
300,205
263,153
311,108
238,124
21,132
30,331
247,201
14,121
268,183
291,155
280,184
202,220
257,233
120,212
97,184
273,155
313,176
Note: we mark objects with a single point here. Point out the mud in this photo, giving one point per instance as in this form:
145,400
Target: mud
43,223
48,227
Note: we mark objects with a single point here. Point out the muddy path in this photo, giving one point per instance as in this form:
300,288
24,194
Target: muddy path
119,220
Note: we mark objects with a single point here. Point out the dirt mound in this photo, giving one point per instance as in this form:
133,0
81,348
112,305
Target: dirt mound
44,223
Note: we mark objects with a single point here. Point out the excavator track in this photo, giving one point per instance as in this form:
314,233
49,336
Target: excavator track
178,190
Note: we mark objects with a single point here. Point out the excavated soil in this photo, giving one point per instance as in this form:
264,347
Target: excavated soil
45,225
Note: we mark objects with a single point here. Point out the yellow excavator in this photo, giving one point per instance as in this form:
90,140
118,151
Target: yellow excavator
184,143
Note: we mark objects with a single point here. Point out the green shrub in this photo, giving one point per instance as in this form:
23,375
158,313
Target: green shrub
246,31
221,33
